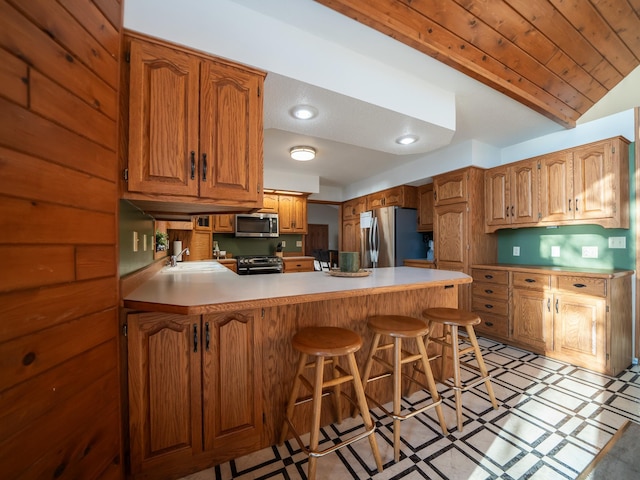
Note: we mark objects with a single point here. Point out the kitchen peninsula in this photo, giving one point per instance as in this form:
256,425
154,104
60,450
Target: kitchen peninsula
210,359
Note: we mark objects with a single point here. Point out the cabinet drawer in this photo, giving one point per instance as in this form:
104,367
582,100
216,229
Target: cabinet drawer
583,286
536,281
492,325
490,276
494,306
489,290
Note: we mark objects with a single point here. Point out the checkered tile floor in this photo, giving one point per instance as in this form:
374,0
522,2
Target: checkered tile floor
553,419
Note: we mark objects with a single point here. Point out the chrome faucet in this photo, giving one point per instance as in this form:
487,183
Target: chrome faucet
174,258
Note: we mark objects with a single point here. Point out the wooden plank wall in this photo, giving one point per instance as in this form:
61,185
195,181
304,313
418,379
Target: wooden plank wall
59,390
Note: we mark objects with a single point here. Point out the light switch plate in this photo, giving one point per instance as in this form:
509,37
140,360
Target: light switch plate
589,252
135,241
516,251
555,251
617,242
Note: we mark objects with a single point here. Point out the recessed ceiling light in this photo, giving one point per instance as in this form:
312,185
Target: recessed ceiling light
407,139
304,112
302,153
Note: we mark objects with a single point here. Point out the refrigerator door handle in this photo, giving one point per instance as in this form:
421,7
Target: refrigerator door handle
374,241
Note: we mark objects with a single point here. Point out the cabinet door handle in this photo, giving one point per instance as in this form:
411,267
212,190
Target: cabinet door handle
569,204
207,335
204,166
488,276
529,280
507,211
512,210
195,338
579,285
488,305
448,286
488,291
548,304
576,204
557,300
193,165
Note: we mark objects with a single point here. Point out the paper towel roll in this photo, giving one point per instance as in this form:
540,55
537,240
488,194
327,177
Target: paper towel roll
177,248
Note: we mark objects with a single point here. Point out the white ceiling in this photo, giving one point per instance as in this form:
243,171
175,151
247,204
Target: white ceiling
369,89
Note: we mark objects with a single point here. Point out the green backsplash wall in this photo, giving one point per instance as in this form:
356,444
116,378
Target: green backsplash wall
535,243
256,246
133,220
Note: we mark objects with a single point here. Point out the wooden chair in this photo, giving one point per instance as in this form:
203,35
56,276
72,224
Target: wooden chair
452,320
326,345
400,328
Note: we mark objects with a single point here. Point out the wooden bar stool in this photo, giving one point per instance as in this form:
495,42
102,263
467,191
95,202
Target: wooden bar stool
398,328
326,344
452,319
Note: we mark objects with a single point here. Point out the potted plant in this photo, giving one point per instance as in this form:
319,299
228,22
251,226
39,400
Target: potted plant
162,241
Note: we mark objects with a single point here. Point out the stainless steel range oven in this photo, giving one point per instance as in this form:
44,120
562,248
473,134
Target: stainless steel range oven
256,264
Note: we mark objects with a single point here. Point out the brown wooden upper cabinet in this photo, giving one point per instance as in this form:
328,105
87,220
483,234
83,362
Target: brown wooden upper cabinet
292,213
450,188
401,196
583,185
224,223
270,203
351,209
425,208
511,195
195,127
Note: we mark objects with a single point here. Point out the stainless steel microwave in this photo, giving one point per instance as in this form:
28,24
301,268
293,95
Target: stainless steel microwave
260,225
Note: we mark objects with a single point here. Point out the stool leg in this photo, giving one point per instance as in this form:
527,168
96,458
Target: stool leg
337,401
397,386
457,381
431,383
315,420
364,409
302,360
366,373
483,369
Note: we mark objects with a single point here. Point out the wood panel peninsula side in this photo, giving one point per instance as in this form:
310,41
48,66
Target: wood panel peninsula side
210,354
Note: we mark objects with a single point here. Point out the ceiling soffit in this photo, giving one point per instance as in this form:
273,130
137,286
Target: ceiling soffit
558,57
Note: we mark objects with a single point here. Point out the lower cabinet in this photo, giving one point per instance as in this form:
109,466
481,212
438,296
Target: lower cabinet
194,390
298,264
583,319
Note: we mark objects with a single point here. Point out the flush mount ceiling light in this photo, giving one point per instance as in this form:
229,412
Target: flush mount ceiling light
303,154
407,139
304,112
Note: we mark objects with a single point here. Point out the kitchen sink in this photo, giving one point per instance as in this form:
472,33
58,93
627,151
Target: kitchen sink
195,267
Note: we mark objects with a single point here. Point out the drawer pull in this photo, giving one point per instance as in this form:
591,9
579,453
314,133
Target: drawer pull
488,276
487,305
548,304
489,324
488,291
448,286
529,280
579,285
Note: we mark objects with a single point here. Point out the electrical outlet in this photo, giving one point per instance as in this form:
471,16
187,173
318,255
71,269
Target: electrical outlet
284,244
589,252
555,251
516,251
135,241
617,242
144,242
298,243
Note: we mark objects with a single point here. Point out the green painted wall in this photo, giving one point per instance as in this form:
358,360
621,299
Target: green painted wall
256,246
133,220
535,243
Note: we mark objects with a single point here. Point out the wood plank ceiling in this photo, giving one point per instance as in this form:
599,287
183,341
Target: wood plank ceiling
558,57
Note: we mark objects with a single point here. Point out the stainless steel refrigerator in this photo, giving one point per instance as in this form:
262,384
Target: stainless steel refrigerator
388,236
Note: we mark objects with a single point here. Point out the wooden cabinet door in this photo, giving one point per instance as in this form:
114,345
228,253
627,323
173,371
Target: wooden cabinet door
532,319
450,187
292,214
269,203
201,247
594,182
580,330
451,235
203,223
232,380
351,236
425,208
352,209
300,215
556,188
165,422
523,193
497,197
231,134
224,223
163,120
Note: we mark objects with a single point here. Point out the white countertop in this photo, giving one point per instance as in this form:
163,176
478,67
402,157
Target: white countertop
177,291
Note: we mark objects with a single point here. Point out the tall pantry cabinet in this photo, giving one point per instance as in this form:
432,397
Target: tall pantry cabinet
458,228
